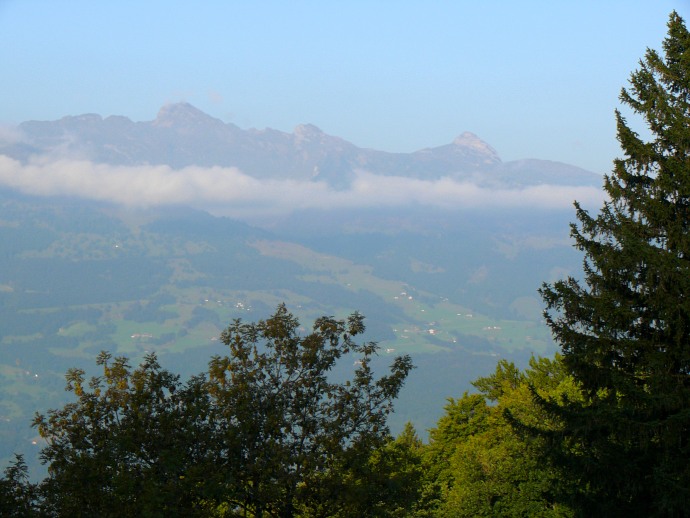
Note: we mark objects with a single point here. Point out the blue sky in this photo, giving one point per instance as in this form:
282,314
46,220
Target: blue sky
533,79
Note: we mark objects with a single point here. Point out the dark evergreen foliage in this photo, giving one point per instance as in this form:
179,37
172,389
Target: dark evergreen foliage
18,496
625,331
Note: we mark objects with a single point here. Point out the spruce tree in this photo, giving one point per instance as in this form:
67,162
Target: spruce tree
624,329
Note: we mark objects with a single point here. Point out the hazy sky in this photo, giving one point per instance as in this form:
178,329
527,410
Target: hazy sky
533,79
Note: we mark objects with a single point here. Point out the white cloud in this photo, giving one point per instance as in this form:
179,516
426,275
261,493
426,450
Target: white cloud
230,192
10,134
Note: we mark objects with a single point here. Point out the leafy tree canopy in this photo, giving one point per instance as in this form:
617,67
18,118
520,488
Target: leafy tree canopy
479,464
266,432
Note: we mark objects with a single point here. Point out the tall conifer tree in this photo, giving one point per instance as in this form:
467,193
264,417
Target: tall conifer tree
625,330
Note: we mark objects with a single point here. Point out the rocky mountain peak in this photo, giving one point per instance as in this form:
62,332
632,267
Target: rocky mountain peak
308,131
469,139
182,114
472,141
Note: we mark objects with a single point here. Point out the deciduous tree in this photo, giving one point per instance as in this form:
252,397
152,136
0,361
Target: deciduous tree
479,464
270,430
135,442
291,435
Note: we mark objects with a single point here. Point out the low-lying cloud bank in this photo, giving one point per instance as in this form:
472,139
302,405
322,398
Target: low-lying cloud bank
228,191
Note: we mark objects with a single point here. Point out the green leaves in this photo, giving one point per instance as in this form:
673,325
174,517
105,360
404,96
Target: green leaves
267,431
295,428
479,464
128,445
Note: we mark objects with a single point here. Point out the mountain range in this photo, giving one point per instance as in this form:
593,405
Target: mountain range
181,135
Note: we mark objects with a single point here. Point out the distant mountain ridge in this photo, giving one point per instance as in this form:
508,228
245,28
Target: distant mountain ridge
182,135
